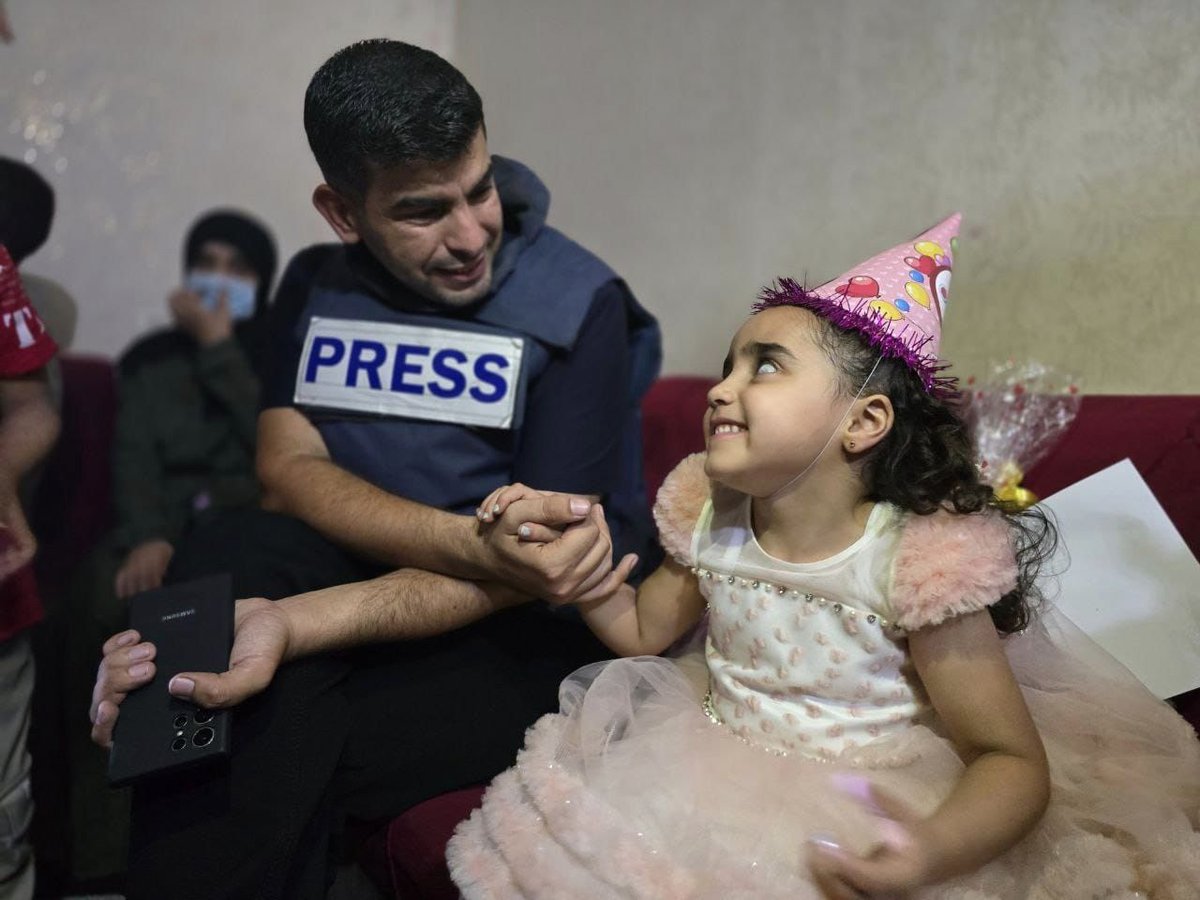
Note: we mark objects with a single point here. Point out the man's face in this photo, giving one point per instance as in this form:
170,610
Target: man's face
435,226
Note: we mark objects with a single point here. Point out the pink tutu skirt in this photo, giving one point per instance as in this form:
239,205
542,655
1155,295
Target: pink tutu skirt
630,791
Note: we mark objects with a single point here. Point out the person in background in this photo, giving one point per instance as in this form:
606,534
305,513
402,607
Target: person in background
183,453
28,428
185,435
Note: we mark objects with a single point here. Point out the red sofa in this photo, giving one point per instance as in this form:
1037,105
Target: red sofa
1161,434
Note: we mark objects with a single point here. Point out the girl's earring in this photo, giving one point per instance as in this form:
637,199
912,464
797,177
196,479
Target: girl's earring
851,445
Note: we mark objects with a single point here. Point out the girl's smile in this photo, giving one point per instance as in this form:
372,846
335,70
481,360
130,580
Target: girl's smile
776,406
721,427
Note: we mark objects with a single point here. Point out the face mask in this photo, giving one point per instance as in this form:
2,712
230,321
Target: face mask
239,293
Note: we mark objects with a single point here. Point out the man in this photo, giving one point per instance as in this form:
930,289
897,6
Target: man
454,343
29,426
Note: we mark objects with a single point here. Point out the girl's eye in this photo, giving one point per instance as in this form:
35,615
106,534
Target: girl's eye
766,367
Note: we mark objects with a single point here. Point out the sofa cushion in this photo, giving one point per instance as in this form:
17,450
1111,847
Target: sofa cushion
1160,435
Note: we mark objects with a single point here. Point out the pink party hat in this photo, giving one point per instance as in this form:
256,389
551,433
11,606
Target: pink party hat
895,300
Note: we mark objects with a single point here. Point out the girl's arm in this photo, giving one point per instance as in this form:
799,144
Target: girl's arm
1006,786
647,621
1001,795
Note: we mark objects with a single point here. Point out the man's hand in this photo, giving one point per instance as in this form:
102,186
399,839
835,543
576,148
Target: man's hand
143,568
126,666
17,543
261,638
207,326
553,546
260,643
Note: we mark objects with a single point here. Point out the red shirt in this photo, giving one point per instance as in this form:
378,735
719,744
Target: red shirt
25,347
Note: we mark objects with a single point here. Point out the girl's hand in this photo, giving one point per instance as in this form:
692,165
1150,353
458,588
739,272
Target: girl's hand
604,580
901,862
493,507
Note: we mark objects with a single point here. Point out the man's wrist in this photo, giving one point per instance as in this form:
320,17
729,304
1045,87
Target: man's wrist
478,559
303,626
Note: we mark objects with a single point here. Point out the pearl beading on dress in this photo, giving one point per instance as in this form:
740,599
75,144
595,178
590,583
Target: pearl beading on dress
783,591
796,682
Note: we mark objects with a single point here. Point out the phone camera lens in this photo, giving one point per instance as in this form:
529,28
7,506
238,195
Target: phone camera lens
203,736
179,743
180,721
202,717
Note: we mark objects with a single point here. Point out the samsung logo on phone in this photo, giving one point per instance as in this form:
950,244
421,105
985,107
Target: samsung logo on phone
178,615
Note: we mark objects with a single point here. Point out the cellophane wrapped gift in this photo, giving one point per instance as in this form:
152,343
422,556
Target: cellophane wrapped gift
1017,414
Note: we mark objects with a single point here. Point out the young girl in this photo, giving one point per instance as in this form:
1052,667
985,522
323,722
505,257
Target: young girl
852,726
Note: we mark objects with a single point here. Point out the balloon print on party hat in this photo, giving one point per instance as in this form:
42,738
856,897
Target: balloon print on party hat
895,299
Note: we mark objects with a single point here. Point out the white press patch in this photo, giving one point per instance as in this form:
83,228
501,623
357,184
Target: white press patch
464,377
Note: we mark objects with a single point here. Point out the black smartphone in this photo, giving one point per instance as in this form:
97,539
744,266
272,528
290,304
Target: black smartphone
191,625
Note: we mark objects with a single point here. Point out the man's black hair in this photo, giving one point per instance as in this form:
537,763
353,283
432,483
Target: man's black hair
381,103
26,209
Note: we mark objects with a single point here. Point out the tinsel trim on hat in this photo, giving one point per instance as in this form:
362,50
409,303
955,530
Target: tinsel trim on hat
875,328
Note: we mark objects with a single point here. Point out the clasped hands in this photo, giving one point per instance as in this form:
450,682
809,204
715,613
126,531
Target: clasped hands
553,546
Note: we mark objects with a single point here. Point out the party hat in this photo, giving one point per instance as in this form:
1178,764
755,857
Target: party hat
895,299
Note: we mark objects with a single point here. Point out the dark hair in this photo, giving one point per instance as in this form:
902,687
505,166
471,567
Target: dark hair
927,462
26,209
381,103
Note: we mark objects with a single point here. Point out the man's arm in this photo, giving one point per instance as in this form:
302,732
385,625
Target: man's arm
300,479
28,423
404,605
29,427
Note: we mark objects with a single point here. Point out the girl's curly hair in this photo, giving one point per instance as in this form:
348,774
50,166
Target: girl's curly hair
927,462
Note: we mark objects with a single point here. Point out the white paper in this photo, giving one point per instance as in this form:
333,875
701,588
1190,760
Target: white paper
1132,584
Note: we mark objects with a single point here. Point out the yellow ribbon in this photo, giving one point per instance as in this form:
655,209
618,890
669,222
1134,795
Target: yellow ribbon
1008,487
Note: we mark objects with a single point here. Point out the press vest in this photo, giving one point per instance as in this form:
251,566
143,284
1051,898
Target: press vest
414,402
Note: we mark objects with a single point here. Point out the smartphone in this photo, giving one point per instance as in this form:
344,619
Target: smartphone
191,626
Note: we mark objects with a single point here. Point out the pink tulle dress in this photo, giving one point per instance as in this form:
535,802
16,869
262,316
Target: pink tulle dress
702,775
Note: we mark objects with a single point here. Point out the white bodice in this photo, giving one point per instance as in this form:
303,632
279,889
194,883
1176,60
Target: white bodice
803,657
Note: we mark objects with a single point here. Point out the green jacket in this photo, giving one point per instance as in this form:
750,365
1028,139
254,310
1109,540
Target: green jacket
185,435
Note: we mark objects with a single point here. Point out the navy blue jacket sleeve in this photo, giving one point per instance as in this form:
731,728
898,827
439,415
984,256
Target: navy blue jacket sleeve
576,413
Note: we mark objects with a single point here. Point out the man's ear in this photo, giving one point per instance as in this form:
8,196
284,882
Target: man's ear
869,423
338,212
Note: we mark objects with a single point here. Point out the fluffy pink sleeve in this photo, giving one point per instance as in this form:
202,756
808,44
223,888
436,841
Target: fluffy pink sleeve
678,506
947,565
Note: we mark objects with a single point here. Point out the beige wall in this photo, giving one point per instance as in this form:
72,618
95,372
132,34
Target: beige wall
706,146
142,113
